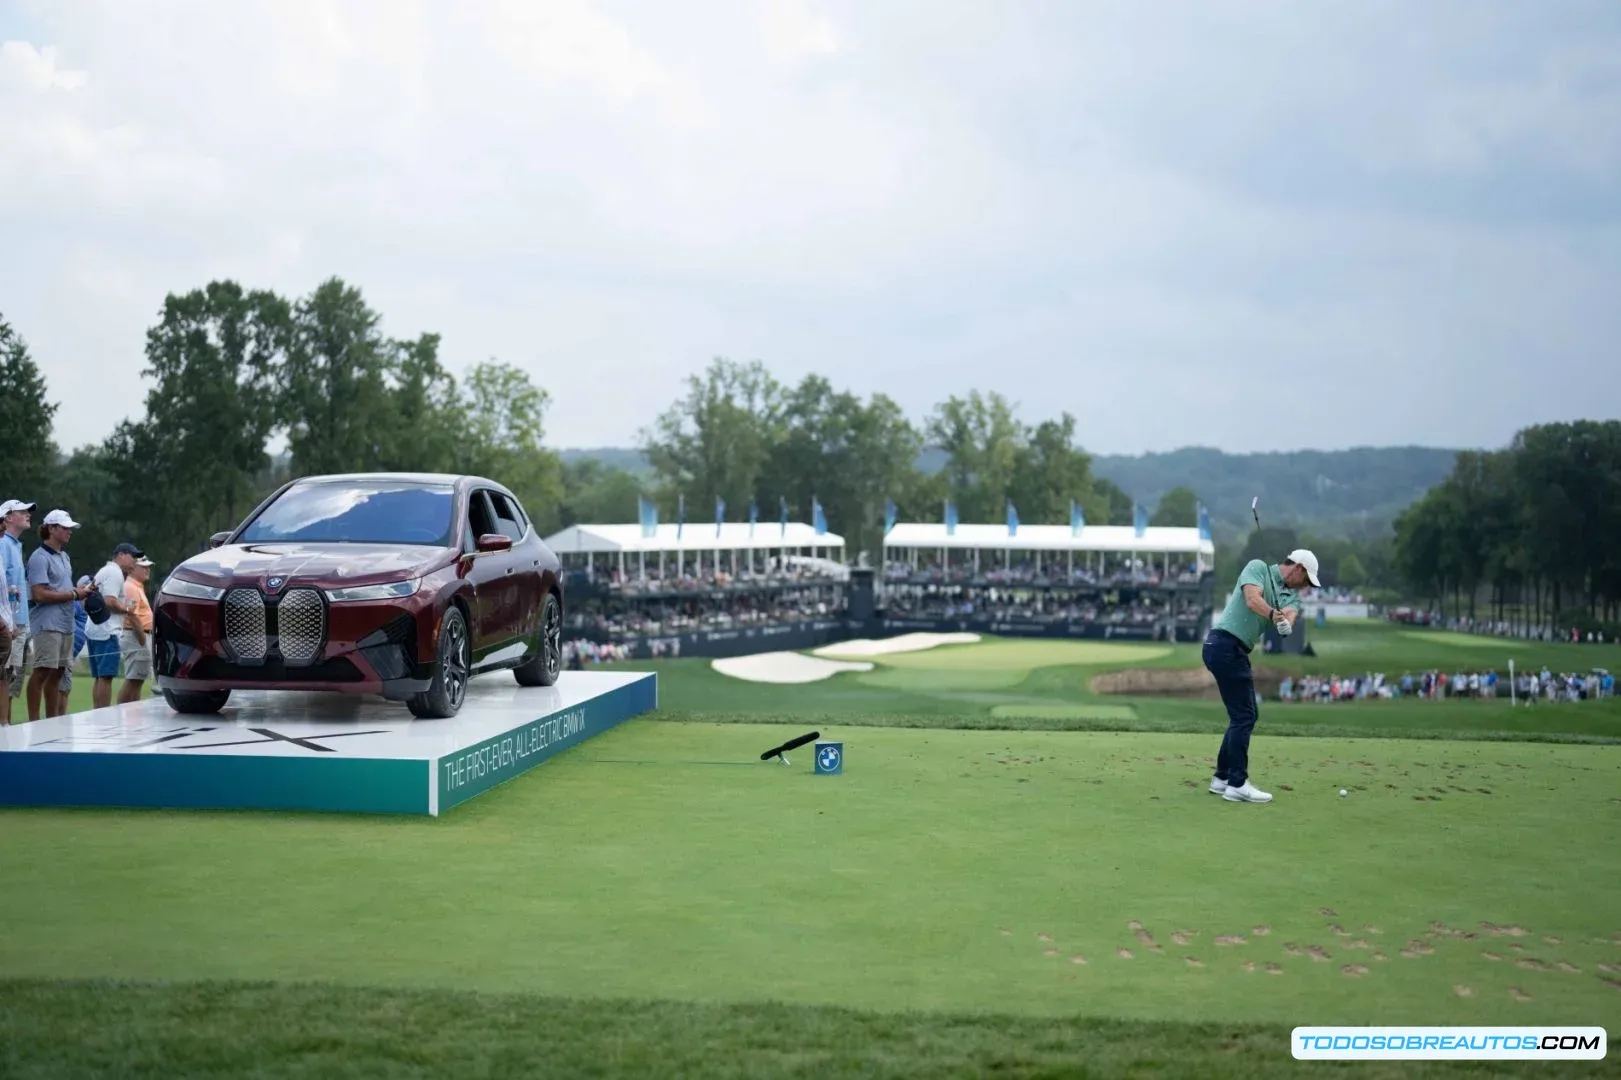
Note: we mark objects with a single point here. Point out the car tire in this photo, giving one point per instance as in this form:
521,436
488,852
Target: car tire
452,668
197,702
547,663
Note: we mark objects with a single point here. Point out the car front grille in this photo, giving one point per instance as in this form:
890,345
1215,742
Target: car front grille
296,622
244,619
301,626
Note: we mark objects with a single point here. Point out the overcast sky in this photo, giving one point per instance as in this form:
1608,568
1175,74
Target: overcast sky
1176,220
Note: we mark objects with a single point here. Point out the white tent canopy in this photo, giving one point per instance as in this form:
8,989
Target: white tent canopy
696,536
1122,539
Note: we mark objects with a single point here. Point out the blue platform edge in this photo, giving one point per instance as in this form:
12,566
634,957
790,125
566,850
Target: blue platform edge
478,768
336,785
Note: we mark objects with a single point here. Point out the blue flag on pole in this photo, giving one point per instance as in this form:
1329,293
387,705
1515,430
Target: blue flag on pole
782,513
680,515
648,512
889,515
951,518
1140,518
754,515
818,518
720,513
1077,518
1204,522
1012,519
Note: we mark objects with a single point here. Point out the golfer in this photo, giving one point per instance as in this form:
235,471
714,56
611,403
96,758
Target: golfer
1263,594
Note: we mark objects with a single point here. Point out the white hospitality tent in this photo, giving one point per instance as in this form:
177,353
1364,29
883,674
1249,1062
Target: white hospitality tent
1048,543
592,546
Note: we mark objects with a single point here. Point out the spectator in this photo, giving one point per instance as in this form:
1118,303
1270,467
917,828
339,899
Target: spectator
81,619
136,638
105,636
16,517
52,591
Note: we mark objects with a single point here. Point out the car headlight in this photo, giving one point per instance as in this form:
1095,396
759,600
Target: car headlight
191,590
392,590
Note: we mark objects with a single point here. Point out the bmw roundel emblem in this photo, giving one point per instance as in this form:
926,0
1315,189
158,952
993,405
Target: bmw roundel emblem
275,582
828,757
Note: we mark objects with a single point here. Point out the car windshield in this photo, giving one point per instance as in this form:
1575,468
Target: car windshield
357,513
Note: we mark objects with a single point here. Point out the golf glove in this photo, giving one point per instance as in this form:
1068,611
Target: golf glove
1282,625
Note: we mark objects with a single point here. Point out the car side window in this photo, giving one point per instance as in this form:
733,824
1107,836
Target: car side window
506,517
479,518
518,514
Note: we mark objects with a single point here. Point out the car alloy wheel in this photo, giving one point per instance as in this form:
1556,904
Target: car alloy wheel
455,661
552,636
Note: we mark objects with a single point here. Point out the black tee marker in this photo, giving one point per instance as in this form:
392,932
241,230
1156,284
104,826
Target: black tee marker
782,751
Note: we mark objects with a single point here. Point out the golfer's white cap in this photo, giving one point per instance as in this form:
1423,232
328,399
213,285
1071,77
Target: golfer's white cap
14,504
62,518
1309,561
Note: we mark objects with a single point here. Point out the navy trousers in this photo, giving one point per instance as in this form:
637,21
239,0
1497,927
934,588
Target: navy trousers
1229,662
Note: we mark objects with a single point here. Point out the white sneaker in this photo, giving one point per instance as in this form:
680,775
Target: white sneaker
1217,786
1247,793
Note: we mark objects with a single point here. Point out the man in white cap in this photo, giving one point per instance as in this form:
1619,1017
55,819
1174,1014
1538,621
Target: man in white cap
15,518
1264,594
51,588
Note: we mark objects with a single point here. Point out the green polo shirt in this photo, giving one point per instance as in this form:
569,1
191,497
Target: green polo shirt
1237,618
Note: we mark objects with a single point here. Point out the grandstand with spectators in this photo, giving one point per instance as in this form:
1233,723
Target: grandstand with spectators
1094,581
640,591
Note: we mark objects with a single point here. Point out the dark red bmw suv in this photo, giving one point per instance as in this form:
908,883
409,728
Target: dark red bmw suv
403,585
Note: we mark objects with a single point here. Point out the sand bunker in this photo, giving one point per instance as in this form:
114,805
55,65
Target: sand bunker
903,643
783,667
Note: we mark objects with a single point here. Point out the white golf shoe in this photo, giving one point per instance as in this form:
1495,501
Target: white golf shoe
1217,787
1246,793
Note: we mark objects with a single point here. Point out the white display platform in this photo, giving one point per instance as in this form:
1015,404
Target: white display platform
286,750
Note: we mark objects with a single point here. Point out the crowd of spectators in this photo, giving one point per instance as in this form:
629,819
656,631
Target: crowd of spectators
708,613
1529,686
50,618
1503,628
1002,605
1053,571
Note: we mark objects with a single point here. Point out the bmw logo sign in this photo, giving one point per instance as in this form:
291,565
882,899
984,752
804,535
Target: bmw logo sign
829,758
275,582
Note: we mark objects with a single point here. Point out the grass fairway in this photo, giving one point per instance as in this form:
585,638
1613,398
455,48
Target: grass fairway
953,870
1015,876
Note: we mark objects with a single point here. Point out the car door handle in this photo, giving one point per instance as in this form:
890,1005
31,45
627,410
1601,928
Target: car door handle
509,571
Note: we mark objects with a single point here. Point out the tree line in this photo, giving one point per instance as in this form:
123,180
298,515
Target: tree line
1526,534
234,371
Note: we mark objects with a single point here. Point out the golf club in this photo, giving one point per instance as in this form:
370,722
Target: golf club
782,751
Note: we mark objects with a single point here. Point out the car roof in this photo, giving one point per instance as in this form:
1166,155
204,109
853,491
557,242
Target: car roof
424,478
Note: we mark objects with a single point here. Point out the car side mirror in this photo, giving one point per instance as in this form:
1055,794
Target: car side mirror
219,538
495,542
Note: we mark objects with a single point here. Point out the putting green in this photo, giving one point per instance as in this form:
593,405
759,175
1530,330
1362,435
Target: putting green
1011,871
1061,711
1023,655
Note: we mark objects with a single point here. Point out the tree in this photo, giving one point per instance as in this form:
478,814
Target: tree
1118,505
1351,574
504,415
716,440
429,423
334,392
594,493
26,417
984,445
1177,507
193,464
1052,471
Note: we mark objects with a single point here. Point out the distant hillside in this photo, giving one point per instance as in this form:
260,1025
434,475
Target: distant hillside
1334,492
1344,492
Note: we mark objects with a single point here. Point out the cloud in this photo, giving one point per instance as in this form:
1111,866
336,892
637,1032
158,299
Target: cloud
1148,215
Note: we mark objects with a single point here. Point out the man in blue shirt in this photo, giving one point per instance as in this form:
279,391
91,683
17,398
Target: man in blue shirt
15,518
1264,594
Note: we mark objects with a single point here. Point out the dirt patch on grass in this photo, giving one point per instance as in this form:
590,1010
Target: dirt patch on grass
1174,682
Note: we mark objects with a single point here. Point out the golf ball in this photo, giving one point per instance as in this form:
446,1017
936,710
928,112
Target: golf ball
1342,793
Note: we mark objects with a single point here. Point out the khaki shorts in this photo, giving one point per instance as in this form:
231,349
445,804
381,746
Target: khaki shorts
52,649
137,657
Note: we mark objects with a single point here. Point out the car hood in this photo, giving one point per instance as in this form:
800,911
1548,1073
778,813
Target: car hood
327,566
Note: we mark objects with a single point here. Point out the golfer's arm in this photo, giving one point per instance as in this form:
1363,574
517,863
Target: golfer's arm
1257,602
44,594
